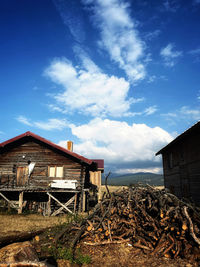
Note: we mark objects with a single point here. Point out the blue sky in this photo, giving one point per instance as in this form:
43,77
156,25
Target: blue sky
120,79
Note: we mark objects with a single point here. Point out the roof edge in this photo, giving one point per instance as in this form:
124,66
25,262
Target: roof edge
179,137
37,137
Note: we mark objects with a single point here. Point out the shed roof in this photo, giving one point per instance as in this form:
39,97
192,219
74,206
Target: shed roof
100,163
51,144
189,131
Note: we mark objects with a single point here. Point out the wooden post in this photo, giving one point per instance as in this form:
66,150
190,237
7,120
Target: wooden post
75,202
84,201
21,194
49,206
99,187
82,197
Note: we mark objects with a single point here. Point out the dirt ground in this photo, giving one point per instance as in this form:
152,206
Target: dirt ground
124,255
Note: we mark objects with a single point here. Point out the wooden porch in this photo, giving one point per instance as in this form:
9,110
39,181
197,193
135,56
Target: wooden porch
49,202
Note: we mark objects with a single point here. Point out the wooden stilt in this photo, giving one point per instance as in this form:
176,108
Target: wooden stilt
99,194
84,202
75,202
21,194
49,206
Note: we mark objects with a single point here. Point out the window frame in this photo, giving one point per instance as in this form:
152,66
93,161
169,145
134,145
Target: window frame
55,171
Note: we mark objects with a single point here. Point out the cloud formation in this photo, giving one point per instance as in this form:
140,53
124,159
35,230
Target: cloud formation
170,55
49,125
89,91
123,146
72,18
195,52
184,113
119,36
24,120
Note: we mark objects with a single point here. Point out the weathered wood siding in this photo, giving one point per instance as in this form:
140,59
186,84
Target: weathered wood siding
183,177
43,157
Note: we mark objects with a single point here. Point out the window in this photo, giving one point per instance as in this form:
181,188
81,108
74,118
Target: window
56,171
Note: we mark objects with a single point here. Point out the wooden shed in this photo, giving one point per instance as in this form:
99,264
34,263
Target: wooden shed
181,164
36,172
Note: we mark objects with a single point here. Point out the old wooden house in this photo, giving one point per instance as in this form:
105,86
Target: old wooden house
181,164
37,173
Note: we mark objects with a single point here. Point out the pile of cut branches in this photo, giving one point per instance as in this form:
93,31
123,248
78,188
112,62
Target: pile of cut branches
147,218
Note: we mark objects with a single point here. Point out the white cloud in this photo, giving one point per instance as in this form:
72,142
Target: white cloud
119,36
195,51
127,146
54,108
71,17
170,55
150,110
184,113
151,79
190,112
24,120
49,125
152,35
52,124
87,63
171,6
89,91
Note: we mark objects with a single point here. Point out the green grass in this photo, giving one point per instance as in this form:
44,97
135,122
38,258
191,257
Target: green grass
63,253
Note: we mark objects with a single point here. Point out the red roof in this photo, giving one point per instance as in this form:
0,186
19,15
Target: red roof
45,141
100,163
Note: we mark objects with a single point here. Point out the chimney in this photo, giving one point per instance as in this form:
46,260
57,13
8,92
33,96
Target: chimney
70,146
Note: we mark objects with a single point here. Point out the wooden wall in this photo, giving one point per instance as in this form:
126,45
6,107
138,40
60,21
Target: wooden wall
183,177
43,157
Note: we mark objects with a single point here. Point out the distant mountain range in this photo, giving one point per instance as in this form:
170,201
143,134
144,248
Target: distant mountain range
134,178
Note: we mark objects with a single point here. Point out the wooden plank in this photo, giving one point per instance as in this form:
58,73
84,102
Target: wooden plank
61,208
61,204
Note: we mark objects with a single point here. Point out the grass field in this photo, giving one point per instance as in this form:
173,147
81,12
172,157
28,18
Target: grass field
114,188
21,223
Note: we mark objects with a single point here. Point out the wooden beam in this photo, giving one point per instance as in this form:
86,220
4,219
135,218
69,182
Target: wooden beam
21,194
9,202
61,208
61,204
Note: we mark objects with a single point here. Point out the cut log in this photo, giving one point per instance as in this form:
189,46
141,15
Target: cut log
18,237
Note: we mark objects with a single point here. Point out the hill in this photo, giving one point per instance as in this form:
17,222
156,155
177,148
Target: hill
134,178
